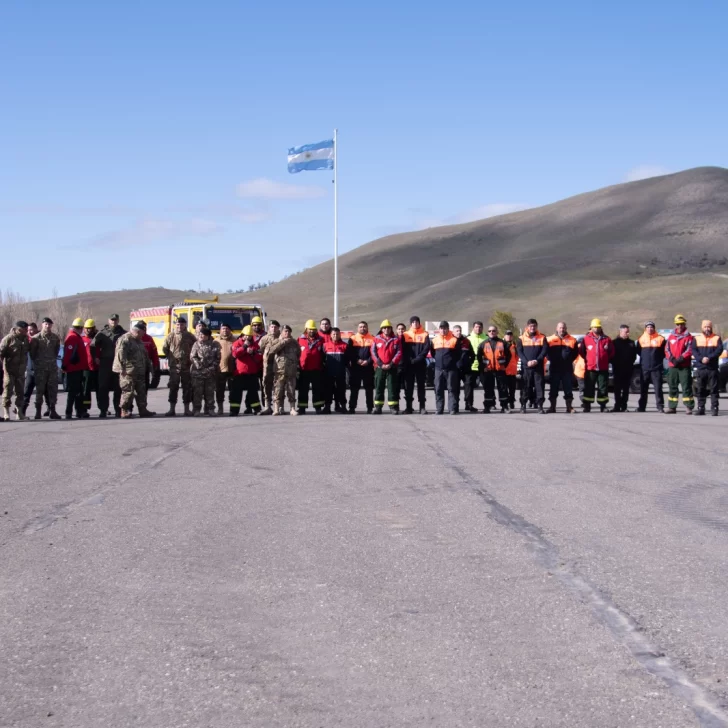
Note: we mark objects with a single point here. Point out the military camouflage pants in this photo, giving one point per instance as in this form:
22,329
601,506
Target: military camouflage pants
133,387
46,383
285,386
14,384
177,378
203,389
269,378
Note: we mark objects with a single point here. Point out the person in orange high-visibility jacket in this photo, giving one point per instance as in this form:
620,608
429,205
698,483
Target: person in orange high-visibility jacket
563,350
312,361
387,354
597,350
511,368
361,373
651,351
532,349
447,352
707,350
494,356
416,349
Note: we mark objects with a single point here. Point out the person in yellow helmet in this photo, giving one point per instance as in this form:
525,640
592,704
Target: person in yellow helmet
75,363
387,354
311,361
679,354
597,350
90,375
256,324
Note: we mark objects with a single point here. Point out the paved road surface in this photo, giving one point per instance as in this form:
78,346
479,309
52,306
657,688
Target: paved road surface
361,571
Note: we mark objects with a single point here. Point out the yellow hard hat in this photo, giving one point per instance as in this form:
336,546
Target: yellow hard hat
247,331
310,325
595,324
77,322
89,324
680,319
256,320
386,323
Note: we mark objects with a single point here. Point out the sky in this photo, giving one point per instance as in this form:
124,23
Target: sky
144,143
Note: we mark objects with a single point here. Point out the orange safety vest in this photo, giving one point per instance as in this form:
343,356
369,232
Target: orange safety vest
512,368
579,367
493,357
445,342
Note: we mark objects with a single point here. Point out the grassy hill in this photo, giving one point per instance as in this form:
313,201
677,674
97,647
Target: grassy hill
625,253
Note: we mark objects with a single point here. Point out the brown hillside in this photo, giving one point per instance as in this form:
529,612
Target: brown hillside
645,248
625,253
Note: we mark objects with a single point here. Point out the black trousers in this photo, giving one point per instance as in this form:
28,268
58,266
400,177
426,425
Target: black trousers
103,385
115,387
450,381
74,393
533,384
361,377
415,373
315,382
90,384
249,383
336,390
706,382
622,380
561,380
469,379
512,385
492,382
29,387
654,377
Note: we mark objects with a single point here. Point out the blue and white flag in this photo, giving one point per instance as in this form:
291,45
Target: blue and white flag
311,157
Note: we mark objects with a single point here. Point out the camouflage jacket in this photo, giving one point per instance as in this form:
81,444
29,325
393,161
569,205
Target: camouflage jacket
177,348
44,350
285,353
204,359
131,357
14,353
266,344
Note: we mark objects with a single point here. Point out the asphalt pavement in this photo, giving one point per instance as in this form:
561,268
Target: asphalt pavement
500,570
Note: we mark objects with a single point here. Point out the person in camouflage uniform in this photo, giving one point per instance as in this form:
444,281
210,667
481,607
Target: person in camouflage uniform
286,353
44,348
14,355
204,366
269,365
177,348
131,363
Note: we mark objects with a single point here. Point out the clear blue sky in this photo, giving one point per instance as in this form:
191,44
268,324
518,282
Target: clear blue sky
144,143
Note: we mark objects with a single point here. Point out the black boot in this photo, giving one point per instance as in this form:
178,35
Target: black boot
38,415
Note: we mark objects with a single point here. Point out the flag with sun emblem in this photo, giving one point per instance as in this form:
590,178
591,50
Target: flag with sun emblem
311,157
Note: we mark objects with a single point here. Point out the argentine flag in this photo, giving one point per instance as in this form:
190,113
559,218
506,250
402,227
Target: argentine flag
311,157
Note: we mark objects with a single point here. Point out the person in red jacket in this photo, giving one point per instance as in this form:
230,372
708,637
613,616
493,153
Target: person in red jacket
679,354
75,363
311,361
387,354
325,329
597,350
91,375
248,366
151,349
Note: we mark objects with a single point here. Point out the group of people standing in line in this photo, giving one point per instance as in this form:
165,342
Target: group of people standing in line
270,367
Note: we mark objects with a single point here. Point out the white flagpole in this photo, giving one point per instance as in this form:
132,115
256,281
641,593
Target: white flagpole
336,233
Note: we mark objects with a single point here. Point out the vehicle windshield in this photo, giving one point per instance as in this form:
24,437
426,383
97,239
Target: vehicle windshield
235,318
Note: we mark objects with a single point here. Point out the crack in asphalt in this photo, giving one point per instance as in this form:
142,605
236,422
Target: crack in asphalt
62,510
624,628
